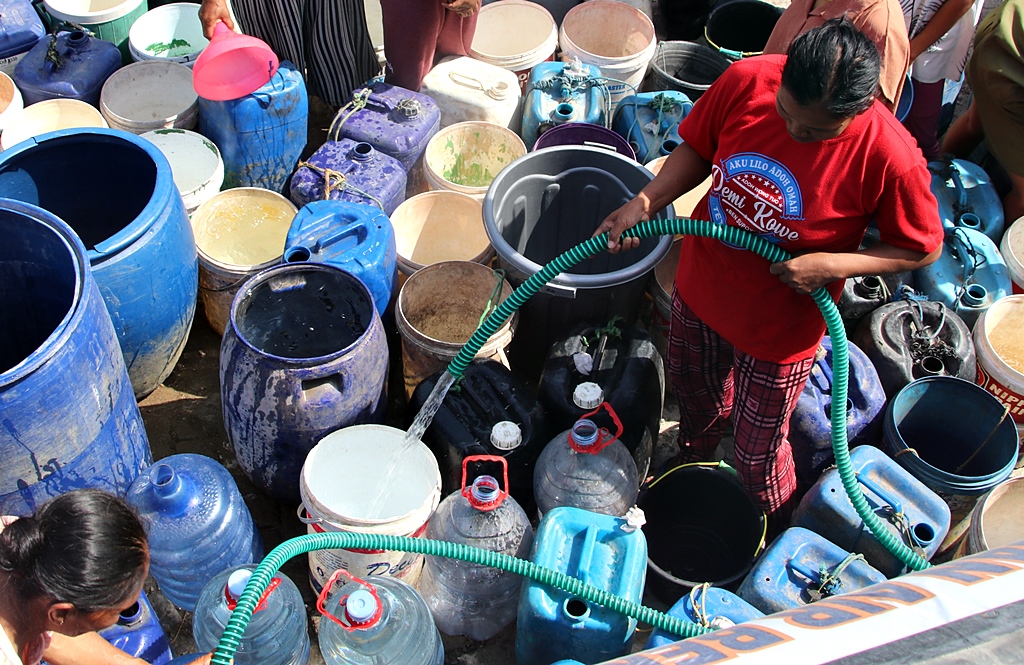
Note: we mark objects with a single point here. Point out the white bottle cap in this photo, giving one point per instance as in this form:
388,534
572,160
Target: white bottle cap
506,435
360,606
236,583
588,395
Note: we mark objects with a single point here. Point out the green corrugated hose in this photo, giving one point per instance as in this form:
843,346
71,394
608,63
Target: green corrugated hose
344,540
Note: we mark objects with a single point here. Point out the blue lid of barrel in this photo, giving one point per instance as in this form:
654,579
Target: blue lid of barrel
20,28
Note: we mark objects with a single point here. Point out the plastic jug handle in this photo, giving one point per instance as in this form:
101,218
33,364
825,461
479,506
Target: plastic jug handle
961,191
352,228
262,604
467,490
894,503
604,437
467,81
321,600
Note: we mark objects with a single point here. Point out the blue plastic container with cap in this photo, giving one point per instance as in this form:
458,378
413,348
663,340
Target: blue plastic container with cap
198,524
650,122
85,65
706,606
800,567
395,121
561,92
276,633
383,621
914,514
967,198
355,237
20,29
260,136
138,633
607,552
353,171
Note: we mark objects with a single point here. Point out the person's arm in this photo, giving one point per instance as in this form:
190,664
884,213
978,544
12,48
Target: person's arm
683,170
941,23
213,11
808,272
91,649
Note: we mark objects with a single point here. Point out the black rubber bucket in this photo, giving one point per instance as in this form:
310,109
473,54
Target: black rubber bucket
701,527
741,28
688,67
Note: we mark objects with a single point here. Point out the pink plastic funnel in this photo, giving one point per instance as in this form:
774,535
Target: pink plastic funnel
232,66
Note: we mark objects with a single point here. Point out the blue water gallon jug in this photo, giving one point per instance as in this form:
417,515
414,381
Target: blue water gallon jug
706,606
304,355
348,170
138,633
85,65
967,198
915,515
276,633
650,122
492,413
560,92
911,339
125,207
197,521
615,364
357,238
810,426
586,467
260,136
801,567
70,419
466,598
607,552
385,621
395,121
968,277
19,32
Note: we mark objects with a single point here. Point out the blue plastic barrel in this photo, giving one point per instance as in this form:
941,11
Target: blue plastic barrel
138,633
260,136
706,606
116,191
967,197
348,170
85,65
599,549
304,355
19,32
357,238
650,122
69,416
557,93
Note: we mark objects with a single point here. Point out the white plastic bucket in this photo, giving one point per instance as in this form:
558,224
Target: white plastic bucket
999,343
615,37
1012,249
238,233
195,162
439,226
468,89
516,35
339,484
172,33
48,116
466,156
11,101
996,519
149,95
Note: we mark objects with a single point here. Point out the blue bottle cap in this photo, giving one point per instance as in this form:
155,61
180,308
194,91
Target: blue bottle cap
360,607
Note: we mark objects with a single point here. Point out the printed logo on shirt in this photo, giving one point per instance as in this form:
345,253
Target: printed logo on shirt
757,194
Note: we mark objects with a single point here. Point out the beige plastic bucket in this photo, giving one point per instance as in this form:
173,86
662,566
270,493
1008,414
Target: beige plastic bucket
48,116
996,519
11,101
615,37
439,226
195,163
339,485
466,156
516,35
999,343
149,95
1012,250
238,233
438,310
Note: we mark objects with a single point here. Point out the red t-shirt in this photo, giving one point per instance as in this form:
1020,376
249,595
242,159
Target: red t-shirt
805,197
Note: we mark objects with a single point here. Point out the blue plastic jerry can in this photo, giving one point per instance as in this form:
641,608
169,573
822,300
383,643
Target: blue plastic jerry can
607,552
560,92
967,197
801,567
968,277
85,64
260,136
915,515
20,29
348,170
355,237
707,606
138,633
810,426
650,122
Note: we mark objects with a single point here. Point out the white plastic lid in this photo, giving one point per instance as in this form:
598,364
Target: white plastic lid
506,435
236,583
360,606
588,395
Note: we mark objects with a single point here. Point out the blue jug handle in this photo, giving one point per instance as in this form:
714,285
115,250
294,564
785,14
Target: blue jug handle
352,228
894,503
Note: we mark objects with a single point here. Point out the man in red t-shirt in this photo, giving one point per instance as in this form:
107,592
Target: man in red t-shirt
802,154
